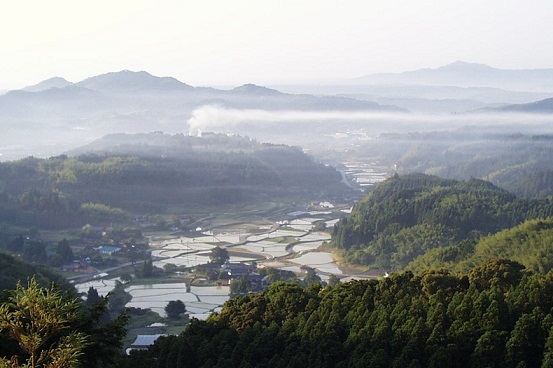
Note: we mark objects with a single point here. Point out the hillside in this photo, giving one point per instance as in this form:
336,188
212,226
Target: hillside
127,80
540,107
407,216
15,270
158,173
528,244
54,82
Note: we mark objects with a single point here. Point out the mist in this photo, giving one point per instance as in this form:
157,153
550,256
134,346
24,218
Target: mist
222,119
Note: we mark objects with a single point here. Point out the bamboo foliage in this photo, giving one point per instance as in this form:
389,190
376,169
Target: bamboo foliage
39,320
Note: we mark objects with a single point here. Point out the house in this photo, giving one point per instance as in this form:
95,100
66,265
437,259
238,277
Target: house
256,280
78,266
236,270
208,267
142,342
108,249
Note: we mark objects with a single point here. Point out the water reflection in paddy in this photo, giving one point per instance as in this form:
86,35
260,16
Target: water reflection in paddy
103,286
199,301
321,261
193,251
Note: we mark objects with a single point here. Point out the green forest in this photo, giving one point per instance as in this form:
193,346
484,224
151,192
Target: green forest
408,216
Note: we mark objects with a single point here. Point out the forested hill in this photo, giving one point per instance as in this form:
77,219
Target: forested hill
157,173
15,270
406,216
498,315
511,158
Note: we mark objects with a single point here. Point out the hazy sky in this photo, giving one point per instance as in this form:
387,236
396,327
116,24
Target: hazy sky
232,42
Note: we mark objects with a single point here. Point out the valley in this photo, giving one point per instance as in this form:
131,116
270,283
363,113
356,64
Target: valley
330,219
276,184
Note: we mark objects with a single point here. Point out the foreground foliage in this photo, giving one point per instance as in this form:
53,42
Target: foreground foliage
40,321
14,270
499,315
47,315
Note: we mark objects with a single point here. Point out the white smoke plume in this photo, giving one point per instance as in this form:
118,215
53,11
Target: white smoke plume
213,117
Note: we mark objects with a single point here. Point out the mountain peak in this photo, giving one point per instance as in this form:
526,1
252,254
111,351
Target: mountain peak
54,82
129,80
464,66
253,89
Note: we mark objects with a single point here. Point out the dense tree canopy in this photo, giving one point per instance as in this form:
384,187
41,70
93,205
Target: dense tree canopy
529,244
497,315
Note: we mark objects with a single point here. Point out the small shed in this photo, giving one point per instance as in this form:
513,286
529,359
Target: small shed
142,342
108,249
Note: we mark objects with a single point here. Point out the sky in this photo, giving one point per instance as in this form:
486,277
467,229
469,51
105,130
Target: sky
266,42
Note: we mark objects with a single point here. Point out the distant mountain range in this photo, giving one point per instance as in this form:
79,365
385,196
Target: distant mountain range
455,88
56,115
139,84
543,106
463,74
127,80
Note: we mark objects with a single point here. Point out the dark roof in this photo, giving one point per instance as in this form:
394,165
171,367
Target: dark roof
143,341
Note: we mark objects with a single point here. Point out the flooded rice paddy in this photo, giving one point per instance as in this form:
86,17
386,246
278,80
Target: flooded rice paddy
288,244
200,302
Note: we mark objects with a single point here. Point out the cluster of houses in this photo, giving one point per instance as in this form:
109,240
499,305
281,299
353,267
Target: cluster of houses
97,240
85,265
236,271
79,266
